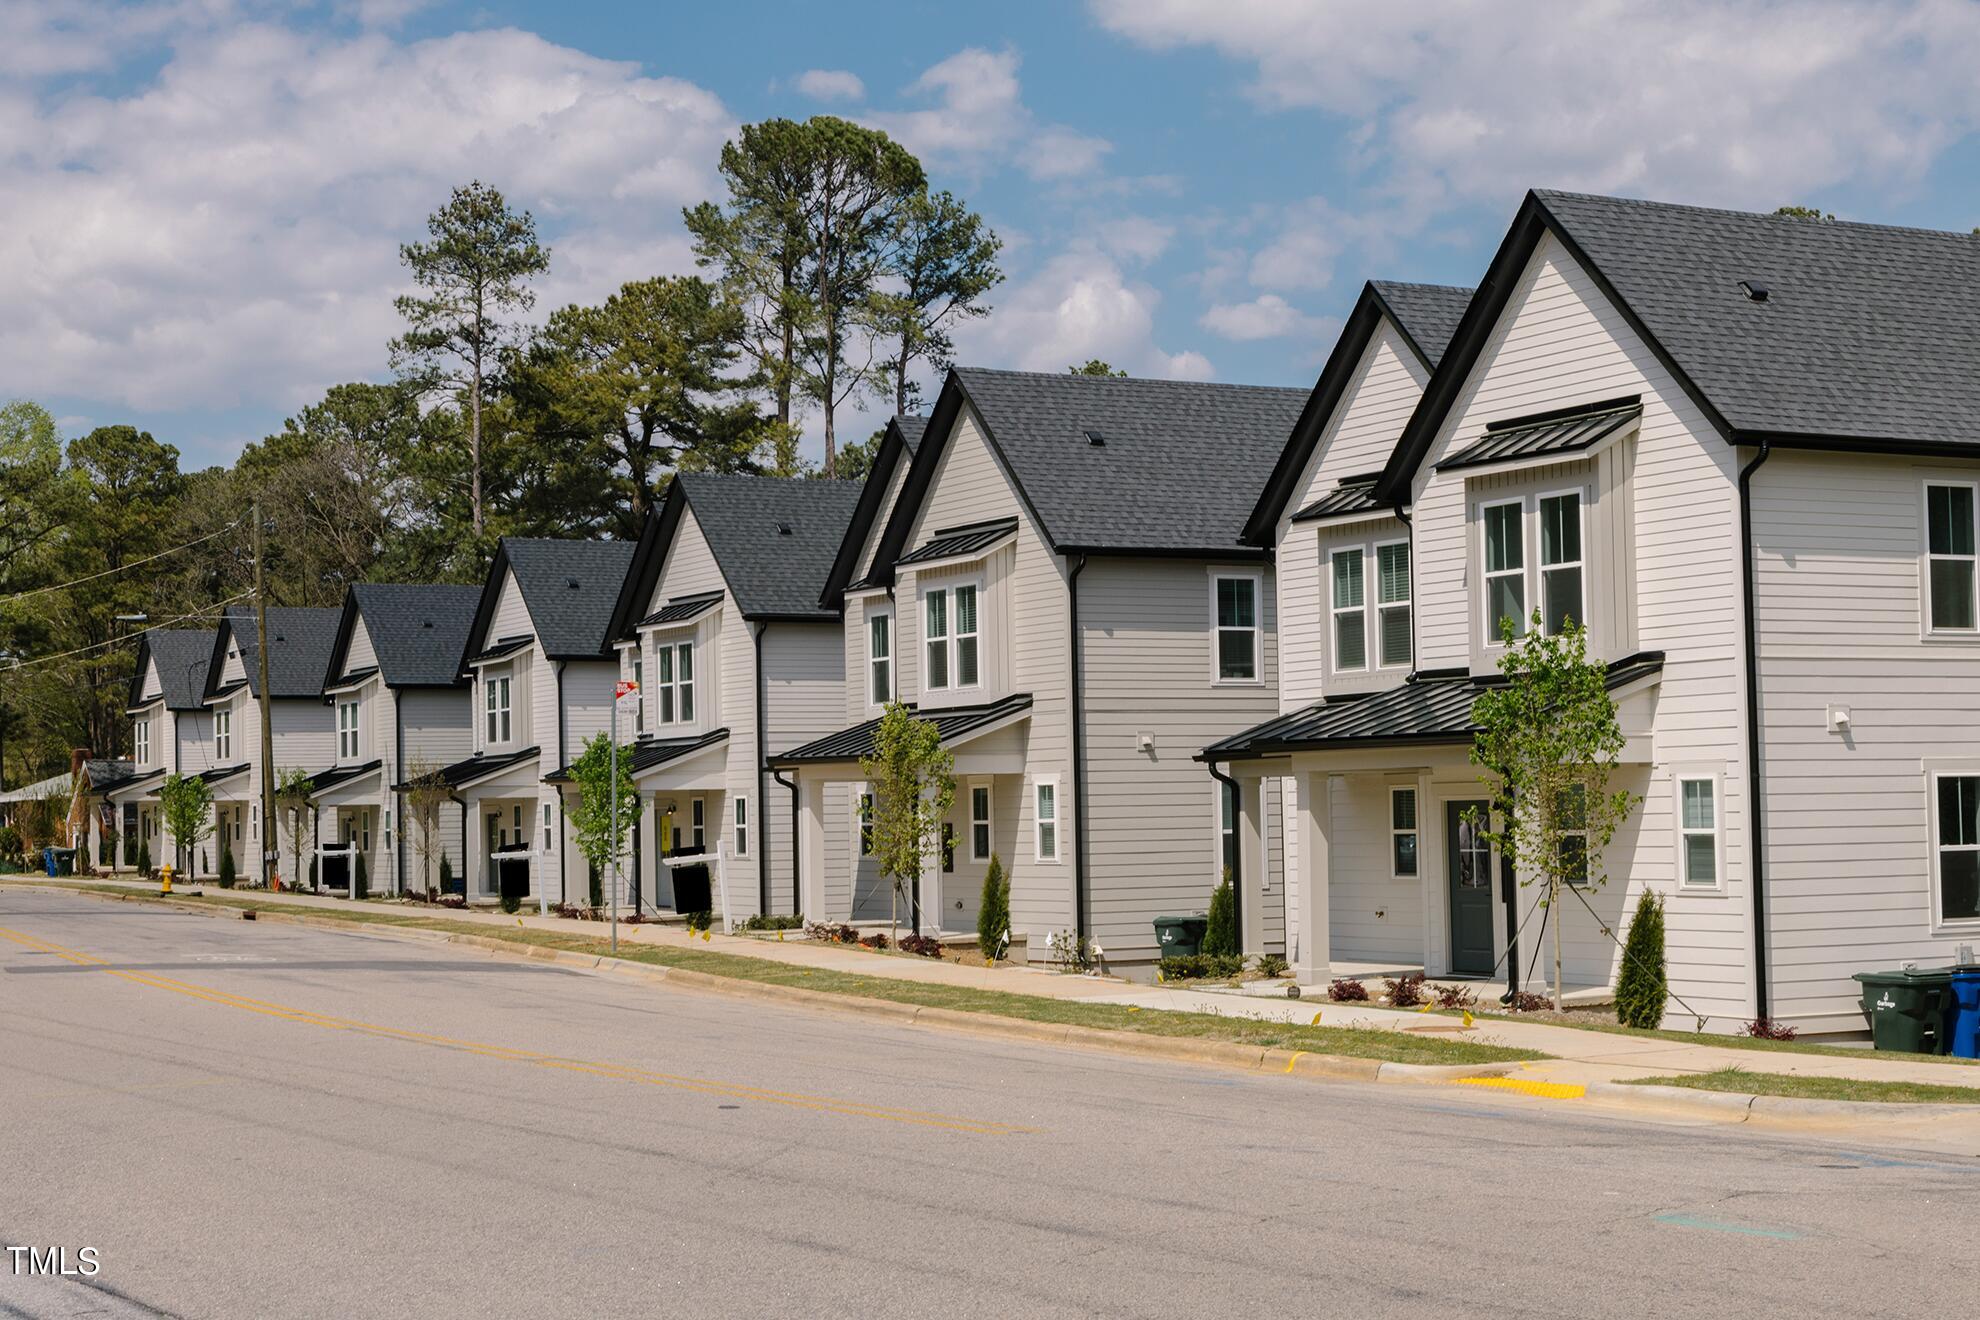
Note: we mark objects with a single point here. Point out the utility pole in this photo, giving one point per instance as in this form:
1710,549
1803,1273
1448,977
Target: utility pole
267,727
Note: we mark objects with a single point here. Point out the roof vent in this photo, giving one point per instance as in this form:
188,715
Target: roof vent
572,583
426,623
1095,439
1754,290
783,529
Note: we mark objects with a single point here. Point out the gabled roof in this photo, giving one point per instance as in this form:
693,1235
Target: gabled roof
418,632
897,448
299,645
1425,315
103,775
773,539
953,723
568,588
1867,339
181,656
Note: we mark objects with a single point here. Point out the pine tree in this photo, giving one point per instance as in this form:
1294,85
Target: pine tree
1643,984
227,872
1220,936
993,913
144,857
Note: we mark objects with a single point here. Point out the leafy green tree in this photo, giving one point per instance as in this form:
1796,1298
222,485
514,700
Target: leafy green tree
295,791
186,803
1643,984
911,776
1220,932
34,490
942,266
856,459
993,912
1549,742
591,819
473,273
1803,213
1094,367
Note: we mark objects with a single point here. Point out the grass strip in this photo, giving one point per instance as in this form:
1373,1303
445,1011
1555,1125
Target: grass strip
1725,1042
1354,1042
1741,1082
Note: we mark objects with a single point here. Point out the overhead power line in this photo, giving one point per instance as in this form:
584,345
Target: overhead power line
118,641
122,568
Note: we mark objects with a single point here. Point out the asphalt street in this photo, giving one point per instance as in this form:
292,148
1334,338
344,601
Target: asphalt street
260,1120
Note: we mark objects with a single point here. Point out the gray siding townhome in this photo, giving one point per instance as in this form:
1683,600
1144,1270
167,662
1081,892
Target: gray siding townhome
301,734
1059,585
540,662
400,706
171,733
721,626
1744,450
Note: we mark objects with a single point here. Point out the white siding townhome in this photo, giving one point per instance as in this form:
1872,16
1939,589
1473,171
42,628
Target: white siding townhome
1059,586
171,733
400,707
1743,451
720,625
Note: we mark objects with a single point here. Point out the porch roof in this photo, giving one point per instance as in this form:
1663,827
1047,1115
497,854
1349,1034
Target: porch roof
148,781
652,753
955,723
220,774
338,775
480,766
1426,710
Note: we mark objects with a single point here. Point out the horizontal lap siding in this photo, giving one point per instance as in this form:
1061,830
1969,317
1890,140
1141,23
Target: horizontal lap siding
804,681
1839,615
1371,917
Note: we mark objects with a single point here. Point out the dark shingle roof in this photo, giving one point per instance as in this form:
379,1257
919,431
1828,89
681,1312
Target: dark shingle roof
104,775
569,588
418,631
898,445
1180,468
1867,331
773,537
911,427
1580,430
299,644
181,656
952,722
1427,314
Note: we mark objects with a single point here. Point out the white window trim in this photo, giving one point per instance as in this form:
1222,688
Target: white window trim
687,679
1680,776
349,734
741,816
1537,589
697,824
674,694
1926,629
1257,630
951,638
1372,589
893,657
1038,853
223,739
928,642
1485,579
956,634
141,740
989,820
1336,610
498,721
1394,832
548,828
1959,769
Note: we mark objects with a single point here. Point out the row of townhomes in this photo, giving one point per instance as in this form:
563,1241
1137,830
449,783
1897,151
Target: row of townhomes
1172,631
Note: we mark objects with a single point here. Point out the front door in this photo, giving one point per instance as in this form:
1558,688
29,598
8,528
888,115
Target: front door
1471,890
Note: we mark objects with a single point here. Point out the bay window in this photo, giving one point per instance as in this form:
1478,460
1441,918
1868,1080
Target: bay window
347,730
223,734
141,742
966,657
935,636
495,689
674,685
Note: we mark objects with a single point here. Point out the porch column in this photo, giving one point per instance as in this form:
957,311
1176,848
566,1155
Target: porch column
640,879
929,892
1309,944
1253,859
811,848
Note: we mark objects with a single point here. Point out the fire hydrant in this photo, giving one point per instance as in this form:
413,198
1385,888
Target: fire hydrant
165,879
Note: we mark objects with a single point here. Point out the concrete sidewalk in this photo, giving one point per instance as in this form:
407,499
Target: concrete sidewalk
1579,1056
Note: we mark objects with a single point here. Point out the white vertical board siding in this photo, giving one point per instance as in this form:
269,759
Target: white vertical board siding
1839,616
358,654
1561,343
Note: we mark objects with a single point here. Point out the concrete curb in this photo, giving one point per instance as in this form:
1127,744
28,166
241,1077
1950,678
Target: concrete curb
1776,1110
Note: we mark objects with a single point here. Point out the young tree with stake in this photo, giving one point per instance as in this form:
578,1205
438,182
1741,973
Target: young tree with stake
186,802
911,776
426,792
294,789
593,819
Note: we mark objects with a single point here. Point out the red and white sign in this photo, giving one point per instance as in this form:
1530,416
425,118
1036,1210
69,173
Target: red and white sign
625,688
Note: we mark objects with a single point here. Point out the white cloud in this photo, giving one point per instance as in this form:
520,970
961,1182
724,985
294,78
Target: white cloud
979,121
1077,305
831,85
1135,238
1060,153
227,234
1267,316
1691,100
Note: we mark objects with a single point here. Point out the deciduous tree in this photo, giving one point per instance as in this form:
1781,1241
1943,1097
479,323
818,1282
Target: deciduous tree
911,776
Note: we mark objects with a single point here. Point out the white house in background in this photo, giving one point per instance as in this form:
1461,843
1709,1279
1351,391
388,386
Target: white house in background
301,730
399,702
721,624
541,666
1059,585
1745,449
171,733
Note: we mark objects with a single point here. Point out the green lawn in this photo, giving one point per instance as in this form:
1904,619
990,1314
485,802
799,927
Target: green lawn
1718,1041
1741,1082
1360,1043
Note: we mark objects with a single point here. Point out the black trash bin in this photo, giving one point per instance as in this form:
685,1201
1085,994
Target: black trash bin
1180,937
1906,1009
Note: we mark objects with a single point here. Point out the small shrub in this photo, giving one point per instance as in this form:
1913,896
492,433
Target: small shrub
360,880
1199,966
1454,996
1528,1001
1272,965
510,902
826,932
1406,992
227,874
597,888
446,873
876,941
1220,933
697,921
144,856
1768,1029
921,945
1347,990
1643,984
1070,951
993,912
763,922
11,845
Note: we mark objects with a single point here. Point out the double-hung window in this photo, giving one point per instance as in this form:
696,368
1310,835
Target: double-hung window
1237,629
935,633
347,730
1505,570
141,742
1957,849
1046,820
979,822
742,827
966,648
546,830
1392,601
223,734
684,676
1949,558
1402,833
880,657
698,824
639,691
1560,562
676,682
1698,830
1350,610
496,703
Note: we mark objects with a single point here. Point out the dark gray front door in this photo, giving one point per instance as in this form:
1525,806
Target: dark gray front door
1471,890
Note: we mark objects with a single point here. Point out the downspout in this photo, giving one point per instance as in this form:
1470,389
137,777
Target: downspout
396,778
1756,804
1080,923
762,763
563,869
461,802
1237,866
797,853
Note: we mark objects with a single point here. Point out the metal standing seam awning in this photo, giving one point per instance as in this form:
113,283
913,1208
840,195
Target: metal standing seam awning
341,778
1353,498
681,609
1552,437
959,542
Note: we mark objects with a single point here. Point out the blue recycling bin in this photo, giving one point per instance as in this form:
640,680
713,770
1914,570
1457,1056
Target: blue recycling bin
48,860
1966,1013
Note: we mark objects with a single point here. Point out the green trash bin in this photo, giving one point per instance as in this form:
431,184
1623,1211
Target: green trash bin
1906,1009
1179,937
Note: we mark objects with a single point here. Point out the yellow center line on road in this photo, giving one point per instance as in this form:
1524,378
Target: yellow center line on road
610,1071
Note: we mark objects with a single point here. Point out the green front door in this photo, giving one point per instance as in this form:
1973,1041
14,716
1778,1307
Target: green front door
1470,864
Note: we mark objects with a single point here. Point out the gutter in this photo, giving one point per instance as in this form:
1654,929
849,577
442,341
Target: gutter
1237,866
1080,896
1756,803
461,802
398,798
797,853
762,765
563,869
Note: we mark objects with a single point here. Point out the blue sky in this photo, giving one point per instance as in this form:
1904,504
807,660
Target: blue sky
200,200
